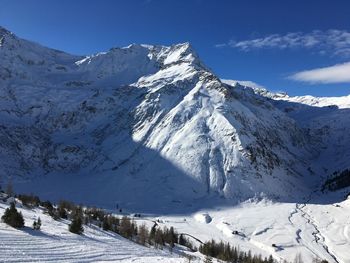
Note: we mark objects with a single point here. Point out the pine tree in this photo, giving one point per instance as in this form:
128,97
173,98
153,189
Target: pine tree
143,234
182,240
62,212
37,224
126,228
171,237
12,217
158,238
270,260
76,226
105,224
152,234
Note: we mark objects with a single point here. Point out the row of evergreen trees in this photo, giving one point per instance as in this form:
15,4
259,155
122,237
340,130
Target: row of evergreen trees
338,180
125,226
226,252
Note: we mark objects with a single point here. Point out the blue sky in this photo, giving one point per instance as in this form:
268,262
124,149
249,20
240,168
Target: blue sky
269,42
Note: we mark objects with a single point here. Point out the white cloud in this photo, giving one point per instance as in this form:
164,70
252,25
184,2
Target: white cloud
333,42
339,73
221,45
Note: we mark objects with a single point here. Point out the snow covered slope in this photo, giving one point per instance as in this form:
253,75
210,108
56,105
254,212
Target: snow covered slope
340,102
312,229
327,120
151,120
54,243
324,119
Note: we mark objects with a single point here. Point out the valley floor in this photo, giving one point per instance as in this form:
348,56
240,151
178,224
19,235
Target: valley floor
268,228
279,229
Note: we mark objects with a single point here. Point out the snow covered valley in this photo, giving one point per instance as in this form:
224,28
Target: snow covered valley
282,230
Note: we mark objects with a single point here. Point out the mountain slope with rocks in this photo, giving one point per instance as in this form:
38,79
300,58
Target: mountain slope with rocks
324,119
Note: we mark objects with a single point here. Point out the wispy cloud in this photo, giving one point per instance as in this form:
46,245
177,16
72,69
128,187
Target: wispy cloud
221,45
339,73
331,42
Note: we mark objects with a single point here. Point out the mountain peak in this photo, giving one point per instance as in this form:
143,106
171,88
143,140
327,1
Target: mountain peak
4,31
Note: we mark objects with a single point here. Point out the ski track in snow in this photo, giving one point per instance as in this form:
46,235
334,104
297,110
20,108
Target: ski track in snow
318,237
289,226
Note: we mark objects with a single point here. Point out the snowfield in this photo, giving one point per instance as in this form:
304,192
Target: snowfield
54,243
279,229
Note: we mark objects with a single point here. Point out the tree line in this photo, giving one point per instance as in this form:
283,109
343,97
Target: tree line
338,180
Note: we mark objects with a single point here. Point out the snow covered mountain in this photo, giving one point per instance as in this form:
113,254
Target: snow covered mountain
153,121
153,130
326,121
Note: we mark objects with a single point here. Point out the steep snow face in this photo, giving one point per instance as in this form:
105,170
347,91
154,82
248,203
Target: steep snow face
147,120
119,66
231,143
27,61
326,121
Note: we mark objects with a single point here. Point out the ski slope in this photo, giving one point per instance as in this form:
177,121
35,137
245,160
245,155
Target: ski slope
54,243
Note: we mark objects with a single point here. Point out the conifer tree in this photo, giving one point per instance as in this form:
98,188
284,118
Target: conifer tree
76,226
12,217
126,228
158,238
37,224
143,234
152,234
105,224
